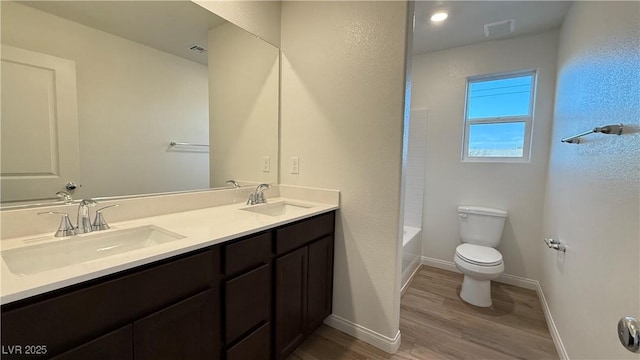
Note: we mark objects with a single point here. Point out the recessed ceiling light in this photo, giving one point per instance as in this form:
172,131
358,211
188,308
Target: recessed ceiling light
439,16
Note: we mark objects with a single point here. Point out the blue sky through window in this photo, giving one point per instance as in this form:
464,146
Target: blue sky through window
498,98
497,139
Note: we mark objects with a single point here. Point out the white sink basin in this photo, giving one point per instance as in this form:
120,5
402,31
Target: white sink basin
278,208
82,248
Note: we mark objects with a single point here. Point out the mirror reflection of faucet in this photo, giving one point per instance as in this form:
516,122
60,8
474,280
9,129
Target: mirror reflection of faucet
233,183
64,196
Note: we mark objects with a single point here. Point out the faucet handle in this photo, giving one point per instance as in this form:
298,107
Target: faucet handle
65,228
99,223
260,193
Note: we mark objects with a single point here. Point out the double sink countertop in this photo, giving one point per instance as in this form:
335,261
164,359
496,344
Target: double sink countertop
181,232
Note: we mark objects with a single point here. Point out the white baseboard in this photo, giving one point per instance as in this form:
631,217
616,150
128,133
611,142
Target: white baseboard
555,335
504,278
413,268
520,282
440,264
387,344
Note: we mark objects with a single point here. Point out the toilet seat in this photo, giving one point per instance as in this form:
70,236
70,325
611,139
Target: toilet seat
479,255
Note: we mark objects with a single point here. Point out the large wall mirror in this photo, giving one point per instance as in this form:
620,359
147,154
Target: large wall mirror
94,92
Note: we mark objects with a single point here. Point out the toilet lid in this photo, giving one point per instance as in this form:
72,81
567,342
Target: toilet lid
479,255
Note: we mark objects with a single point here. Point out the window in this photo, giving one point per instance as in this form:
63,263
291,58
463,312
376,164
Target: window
499,117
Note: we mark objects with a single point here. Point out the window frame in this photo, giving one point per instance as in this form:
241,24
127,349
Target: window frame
527,119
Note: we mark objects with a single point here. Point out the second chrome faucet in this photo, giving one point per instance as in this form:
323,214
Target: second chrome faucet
257,197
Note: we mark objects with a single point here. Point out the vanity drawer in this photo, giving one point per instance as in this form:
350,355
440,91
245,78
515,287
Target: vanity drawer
80,315
293,236
114,345
247,302
247,254
256,346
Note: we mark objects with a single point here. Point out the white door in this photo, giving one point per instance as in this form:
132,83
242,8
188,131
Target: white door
39,133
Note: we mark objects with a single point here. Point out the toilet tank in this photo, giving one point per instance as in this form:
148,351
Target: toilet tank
481,225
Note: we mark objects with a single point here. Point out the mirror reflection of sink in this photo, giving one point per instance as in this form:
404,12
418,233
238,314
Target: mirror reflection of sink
82,248
278,208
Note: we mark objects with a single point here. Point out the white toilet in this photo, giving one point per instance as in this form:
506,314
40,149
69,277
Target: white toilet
477,258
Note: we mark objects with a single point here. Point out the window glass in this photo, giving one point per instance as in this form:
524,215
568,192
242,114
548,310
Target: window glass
499,98
505,139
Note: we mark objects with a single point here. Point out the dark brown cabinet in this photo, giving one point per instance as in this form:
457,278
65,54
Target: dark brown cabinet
247,302
247,298
291,301
253,347
254,298
303,281
183,331
145,298
114,345
320,283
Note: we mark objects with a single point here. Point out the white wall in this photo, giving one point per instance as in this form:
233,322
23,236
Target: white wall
261,18
343,80
132,100
593,189
439,81
243,84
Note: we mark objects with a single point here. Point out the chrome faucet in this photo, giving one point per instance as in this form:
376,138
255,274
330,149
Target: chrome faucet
84,224
257,197
84,220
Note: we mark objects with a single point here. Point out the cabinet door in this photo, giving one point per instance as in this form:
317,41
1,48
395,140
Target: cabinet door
117,345
187,330
320,282
291,301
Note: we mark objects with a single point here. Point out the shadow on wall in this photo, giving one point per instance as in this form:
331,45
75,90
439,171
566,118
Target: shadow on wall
509,245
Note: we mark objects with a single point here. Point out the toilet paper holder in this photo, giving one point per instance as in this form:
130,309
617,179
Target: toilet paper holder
555,244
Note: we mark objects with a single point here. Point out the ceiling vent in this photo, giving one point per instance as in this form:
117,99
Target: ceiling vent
499,28
198,48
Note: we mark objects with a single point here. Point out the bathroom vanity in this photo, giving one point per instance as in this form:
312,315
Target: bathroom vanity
254,296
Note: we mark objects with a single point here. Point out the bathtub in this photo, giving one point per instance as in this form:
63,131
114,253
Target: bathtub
411,252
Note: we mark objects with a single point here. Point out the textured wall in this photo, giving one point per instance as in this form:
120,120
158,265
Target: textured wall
439,83
343,79
592,200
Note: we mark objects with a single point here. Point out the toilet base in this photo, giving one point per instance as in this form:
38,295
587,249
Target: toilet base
476,292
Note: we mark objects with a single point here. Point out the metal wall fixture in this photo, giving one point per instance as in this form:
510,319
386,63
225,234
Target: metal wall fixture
174,143
607,129
629,333
555,244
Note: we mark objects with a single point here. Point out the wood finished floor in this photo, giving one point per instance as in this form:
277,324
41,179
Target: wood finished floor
436,324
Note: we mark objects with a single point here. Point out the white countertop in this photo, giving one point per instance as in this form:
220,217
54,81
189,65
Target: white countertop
200,228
